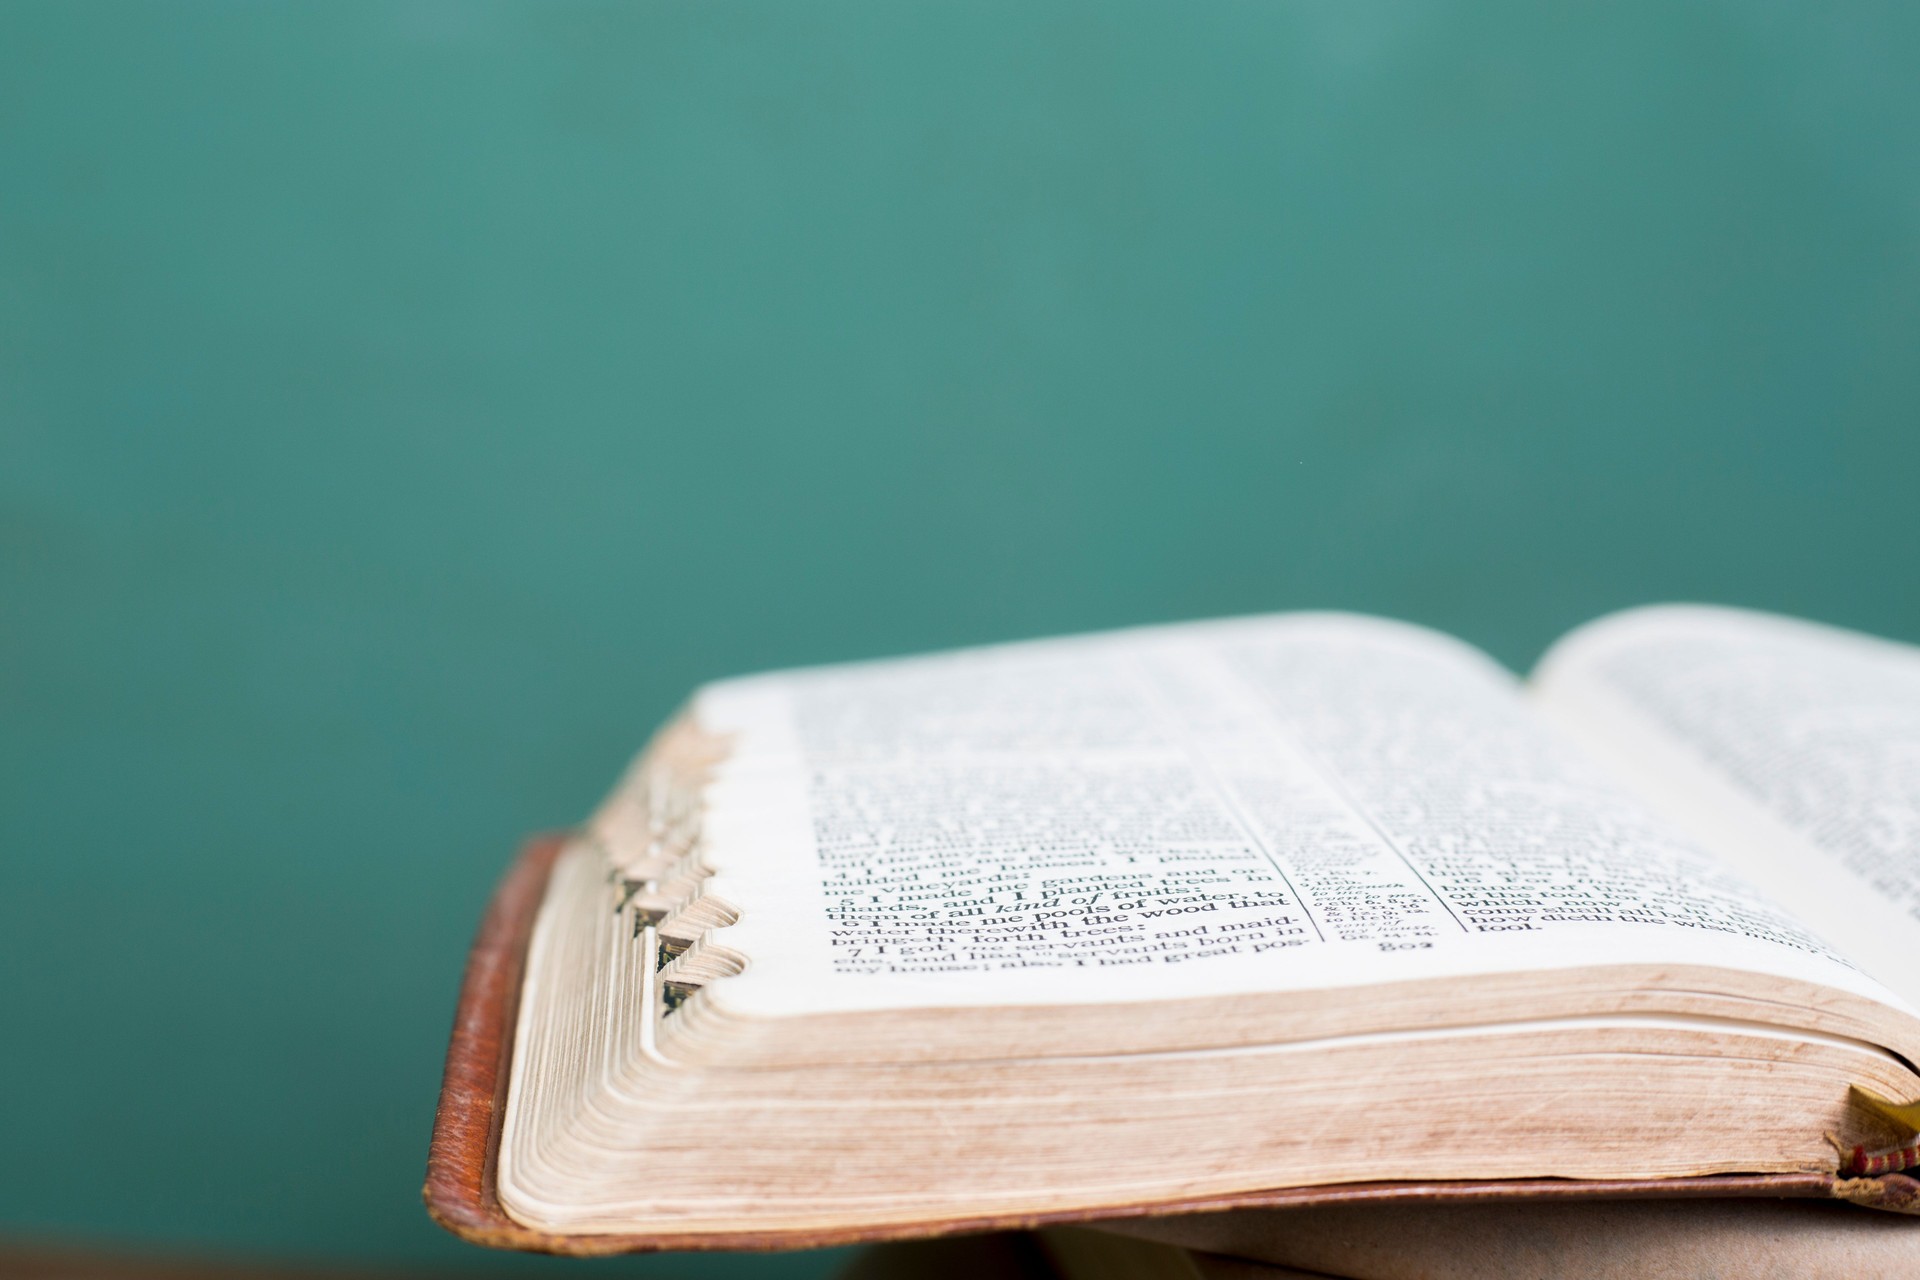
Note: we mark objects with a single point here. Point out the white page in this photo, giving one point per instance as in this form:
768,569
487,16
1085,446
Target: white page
1262,804
1791,748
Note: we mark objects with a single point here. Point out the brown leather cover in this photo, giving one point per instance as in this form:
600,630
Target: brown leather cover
461,1194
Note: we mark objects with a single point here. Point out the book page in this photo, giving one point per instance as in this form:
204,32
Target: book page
1261,804
1792,749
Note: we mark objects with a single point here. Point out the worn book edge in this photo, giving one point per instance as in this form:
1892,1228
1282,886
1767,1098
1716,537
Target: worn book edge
461,1191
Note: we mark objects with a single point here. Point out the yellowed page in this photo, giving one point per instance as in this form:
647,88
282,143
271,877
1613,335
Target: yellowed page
1260,804
1790,749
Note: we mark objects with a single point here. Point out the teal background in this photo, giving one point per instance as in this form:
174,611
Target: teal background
403,405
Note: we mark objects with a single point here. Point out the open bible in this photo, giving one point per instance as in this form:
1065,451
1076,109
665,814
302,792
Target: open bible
1221,913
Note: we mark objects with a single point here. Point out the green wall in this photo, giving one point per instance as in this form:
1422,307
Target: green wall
402,405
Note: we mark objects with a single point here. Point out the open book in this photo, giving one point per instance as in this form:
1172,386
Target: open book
1167,916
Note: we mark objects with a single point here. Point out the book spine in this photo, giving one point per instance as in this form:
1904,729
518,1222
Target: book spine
1863,1163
